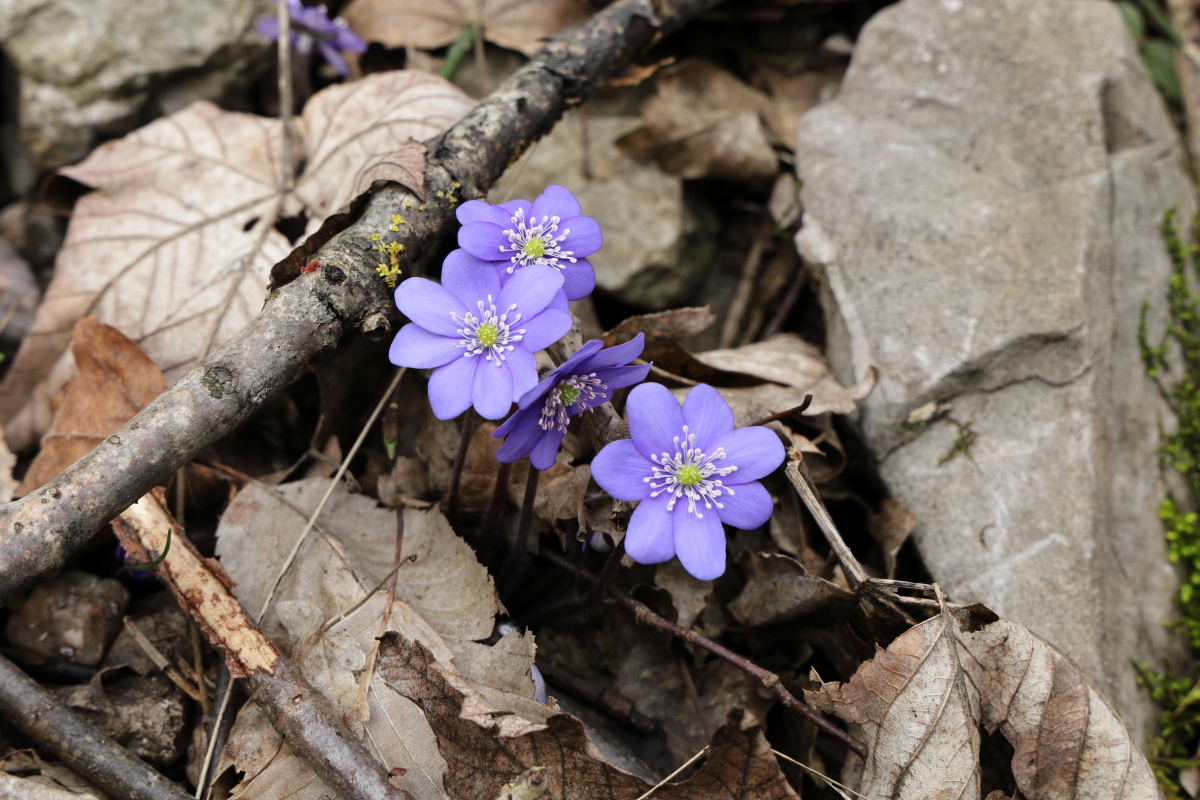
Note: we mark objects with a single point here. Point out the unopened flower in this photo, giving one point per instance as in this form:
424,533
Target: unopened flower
478,336
691,470
584,381
311,26
548,231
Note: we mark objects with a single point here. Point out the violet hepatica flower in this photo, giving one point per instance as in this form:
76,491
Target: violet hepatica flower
311,26
584,381
548,231
478,336
691,470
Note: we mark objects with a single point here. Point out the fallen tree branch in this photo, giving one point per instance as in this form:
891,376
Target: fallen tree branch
308,316
58,731
306,720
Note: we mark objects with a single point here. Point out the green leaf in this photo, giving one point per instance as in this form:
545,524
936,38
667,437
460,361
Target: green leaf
1159,57
1133,19
1161,21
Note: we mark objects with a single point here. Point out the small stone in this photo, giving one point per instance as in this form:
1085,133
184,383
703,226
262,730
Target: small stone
74,616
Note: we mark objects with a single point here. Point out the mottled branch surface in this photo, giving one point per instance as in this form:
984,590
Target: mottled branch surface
310,315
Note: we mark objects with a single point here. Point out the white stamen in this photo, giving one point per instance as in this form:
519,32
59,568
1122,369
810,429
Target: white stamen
522,234
666,475
554,410
499,324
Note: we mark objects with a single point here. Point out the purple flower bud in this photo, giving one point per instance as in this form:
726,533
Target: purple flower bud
311,27
691,471
584,381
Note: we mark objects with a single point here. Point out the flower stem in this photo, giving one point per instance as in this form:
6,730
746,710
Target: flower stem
495,512
769,679
531,487
468,430
454,55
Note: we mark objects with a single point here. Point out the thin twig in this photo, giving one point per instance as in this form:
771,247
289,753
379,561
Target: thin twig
787,303
798,474
367,596
495,511
682,767
59,731
286,100
337,477
769,679
745,287
839,787
162,662
526,522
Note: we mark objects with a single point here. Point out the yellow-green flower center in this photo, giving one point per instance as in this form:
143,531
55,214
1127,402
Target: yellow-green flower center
487,334
535,247
689,475
567,393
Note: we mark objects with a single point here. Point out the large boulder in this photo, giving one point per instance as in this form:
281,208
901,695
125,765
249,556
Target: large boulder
983,201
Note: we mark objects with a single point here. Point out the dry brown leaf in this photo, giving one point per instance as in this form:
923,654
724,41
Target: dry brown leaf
705,123
890,528
485,750
516,24
779,589
175,246
675,324
917,714
1069,744
445,600
115,381
797,367
8,460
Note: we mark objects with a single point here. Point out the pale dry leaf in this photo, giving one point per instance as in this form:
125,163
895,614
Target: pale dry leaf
42,788
8,460
705,123
486,750
778,589
917,713
796,367
445,600
890,527
675,324
516,24
175,246
1068,742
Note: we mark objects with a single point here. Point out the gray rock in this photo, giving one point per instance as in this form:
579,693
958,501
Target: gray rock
983,199
73,616
656,244
92,69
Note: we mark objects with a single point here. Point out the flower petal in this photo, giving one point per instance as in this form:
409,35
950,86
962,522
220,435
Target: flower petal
746,506
555,202
575,364
492,394
537,394
484,239
416,347
523,367
700,543
520,432
479,211
584,238
621,470
618,355
450,387
579,279
707,415
468,278
430,305
544,452
268,27
620,377
755,451
655,419
333,57
545,329
511,208
649,539
531,289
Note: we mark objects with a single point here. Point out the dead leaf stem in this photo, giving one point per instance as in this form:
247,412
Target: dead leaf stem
804,487
309,315
768,679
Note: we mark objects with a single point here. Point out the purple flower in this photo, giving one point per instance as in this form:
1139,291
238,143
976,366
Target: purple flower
692,471
547,231
479,336
584,381
311,25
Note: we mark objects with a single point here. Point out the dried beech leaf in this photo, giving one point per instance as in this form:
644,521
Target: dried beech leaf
779,589
890,528
1069,744
797,366
445,600
675,324
516,24
8,460
705,123
917,713
486,750
175,246
115,381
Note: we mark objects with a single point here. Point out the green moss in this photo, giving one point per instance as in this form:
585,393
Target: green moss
1174,364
